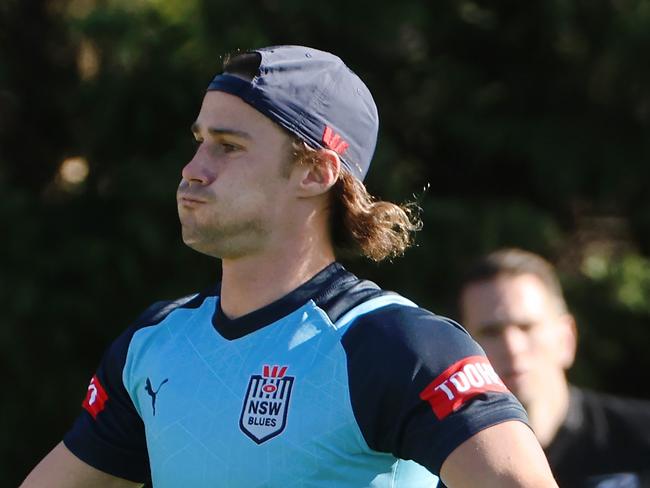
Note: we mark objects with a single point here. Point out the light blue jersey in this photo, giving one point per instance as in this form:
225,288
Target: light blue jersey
338,384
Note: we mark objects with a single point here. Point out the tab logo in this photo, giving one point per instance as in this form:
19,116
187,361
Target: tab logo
334,141
266,404
459,383
96,397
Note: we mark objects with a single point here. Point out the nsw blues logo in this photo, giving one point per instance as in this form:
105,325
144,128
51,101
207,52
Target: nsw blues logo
264,414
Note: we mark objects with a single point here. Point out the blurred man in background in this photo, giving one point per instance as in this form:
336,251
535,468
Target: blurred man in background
512,303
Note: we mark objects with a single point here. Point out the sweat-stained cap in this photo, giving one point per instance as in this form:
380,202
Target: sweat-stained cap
316,97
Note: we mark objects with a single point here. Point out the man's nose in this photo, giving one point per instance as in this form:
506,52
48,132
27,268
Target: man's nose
197,171
514,340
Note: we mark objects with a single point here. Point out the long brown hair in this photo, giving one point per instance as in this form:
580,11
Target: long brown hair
360,224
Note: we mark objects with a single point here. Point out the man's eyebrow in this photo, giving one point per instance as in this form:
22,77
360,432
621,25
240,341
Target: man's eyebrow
490,326
219,131
502,324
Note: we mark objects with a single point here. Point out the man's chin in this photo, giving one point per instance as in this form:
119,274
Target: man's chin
225,243
523,394
198,245
517,384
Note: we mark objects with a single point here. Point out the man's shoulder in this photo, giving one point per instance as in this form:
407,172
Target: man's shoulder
378,322
402,325
610,407
345,293
603,436
605,422
350,299
157,312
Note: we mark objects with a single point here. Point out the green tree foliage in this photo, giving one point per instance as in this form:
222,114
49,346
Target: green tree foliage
511,123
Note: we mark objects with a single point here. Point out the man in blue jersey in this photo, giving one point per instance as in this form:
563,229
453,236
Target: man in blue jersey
292,371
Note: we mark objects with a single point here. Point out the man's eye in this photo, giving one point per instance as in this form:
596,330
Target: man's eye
489,332
228,148
527,327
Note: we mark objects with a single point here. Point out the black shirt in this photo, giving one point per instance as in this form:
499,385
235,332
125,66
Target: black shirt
604,442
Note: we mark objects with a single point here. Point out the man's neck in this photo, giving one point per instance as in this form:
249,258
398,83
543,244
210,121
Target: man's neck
253,282
547,415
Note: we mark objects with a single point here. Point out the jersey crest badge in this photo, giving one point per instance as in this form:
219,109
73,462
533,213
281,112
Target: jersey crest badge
266,404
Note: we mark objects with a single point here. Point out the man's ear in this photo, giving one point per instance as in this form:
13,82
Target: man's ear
317,177
568,340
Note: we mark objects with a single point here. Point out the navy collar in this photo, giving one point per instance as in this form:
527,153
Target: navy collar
323,283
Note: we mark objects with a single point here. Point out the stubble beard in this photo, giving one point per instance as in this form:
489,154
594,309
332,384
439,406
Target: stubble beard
226,240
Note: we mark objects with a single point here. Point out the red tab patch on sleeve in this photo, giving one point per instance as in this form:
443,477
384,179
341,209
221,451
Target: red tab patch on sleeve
460,382
95,398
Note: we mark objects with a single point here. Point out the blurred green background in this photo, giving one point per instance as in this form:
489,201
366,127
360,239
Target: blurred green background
511,123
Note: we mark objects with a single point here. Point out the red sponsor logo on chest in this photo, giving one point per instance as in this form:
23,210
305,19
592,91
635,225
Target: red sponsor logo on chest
460,382
96,397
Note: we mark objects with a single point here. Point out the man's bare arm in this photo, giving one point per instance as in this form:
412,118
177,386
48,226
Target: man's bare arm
506,455
62,469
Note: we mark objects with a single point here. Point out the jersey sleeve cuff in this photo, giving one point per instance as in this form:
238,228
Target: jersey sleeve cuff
455,437
107,458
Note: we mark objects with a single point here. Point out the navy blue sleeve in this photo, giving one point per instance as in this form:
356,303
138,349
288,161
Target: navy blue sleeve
420,385
109,433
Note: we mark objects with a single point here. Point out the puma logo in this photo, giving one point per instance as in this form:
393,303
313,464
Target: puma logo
153,393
